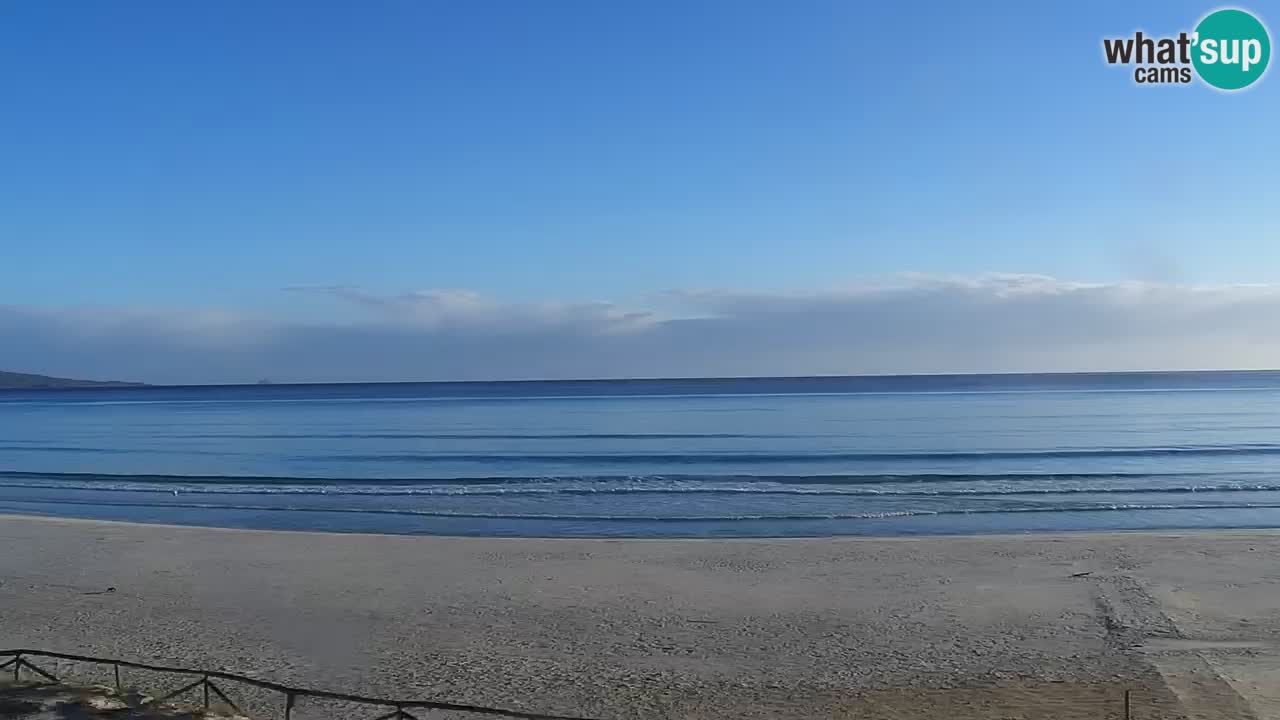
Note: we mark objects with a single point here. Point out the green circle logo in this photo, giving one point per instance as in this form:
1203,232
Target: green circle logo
1232,49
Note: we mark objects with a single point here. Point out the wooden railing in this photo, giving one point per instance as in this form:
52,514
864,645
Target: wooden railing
399,709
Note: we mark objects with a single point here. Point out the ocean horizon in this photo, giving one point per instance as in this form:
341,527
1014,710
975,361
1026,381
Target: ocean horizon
1014,377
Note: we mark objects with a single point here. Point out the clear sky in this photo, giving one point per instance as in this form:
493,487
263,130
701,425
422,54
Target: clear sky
176,157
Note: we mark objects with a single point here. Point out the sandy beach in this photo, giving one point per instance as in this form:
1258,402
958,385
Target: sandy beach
1026,626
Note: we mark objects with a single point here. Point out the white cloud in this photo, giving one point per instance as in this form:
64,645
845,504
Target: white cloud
909,324
468,312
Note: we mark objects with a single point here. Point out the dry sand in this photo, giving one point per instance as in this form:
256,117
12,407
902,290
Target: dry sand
993,627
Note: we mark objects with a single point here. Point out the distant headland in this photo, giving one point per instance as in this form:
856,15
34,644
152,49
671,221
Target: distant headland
12,380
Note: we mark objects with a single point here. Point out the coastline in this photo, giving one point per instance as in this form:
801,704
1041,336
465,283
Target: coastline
1174,532
796,627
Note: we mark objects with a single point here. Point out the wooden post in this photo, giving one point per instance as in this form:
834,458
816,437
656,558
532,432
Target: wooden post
288,706
17,666
116,666
1127,706
205,686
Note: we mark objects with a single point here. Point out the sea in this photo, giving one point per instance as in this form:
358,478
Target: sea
755,457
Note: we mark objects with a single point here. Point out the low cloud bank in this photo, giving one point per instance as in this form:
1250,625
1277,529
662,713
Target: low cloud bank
912,324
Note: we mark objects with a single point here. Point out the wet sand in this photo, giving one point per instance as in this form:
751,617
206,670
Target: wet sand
1012,626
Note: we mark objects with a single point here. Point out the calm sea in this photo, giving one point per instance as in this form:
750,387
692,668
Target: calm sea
687,458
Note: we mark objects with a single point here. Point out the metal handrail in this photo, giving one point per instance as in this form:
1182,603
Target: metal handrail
291,694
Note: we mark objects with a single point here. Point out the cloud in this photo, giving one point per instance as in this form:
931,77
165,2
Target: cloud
463,311
908,324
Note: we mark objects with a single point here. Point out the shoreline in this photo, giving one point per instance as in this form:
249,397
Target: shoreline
1173,532
1052,625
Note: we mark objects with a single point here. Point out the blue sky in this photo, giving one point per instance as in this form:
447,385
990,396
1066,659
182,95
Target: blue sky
169,156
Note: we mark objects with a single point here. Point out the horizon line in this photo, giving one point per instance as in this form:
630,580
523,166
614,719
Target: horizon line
113,384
